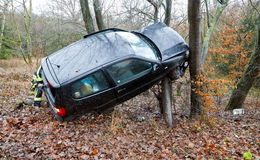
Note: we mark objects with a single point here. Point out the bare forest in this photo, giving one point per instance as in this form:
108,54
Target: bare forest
212,112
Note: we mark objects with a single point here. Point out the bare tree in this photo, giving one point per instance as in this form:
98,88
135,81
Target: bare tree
69,9
156,5
212,22
88,20
27,19
135,14
168,10
194,18
3,23
166,82
165,97
98,15
27,13
199,51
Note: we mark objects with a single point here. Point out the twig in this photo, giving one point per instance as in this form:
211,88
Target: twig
7,140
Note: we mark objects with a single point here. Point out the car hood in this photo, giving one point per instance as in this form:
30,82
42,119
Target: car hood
168,41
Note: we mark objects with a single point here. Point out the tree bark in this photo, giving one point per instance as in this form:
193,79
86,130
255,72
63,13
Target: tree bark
245,83
87,16
98,15
168,10
166,82
166,103
18,33
3,25
167,100
156,10
27,13
194,18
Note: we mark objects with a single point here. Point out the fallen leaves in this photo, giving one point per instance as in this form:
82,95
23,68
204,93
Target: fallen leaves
191,145
33,133
94,152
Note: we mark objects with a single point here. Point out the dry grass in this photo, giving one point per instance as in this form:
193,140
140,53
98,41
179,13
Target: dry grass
18,66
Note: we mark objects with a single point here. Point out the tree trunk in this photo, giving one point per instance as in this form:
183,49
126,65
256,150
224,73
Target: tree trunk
156,14
165,96
18,33
87,16
211,25
3,25
245,83
166,82
98,15
156,10
168,10
194,18
27,13
167,100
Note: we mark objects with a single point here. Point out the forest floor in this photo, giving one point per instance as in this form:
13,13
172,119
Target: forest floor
135,130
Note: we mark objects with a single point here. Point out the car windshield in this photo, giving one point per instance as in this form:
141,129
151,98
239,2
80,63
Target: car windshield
139,45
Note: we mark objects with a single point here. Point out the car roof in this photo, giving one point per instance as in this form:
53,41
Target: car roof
87,54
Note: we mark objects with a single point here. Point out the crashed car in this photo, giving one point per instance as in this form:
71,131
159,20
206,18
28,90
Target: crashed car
109,67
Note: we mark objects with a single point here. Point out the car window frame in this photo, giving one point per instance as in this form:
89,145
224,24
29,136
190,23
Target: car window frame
94,93
153,62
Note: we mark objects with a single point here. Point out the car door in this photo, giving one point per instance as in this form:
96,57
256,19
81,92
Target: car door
92,91
133,76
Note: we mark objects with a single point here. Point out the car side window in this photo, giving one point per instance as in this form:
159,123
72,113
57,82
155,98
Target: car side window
128,70
140,46
90,84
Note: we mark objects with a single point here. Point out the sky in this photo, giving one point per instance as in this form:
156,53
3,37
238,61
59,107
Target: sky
41,5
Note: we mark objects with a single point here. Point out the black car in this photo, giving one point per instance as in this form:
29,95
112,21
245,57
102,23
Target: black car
111,66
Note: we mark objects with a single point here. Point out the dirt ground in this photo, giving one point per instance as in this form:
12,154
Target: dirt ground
135,130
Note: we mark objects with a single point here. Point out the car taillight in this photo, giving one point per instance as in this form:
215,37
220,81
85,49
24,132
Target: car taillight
61,111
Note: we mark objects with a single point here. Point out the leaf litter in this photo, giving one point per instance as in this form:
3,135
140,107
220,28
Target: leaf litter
133,131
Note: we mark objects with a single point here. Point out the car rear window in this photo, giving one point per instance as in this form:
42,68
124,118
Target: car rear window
92,83
129,69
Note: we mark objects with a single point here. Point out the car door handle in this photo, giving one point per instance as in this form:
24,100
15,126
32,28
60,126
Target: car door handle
121,90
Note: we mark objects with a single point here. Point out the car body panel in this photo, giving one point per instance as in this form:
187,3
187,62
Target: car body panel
168,41
88,103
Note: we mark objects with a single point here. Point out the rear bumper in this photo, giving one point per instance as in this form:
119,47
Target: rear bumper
47,91
50,98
